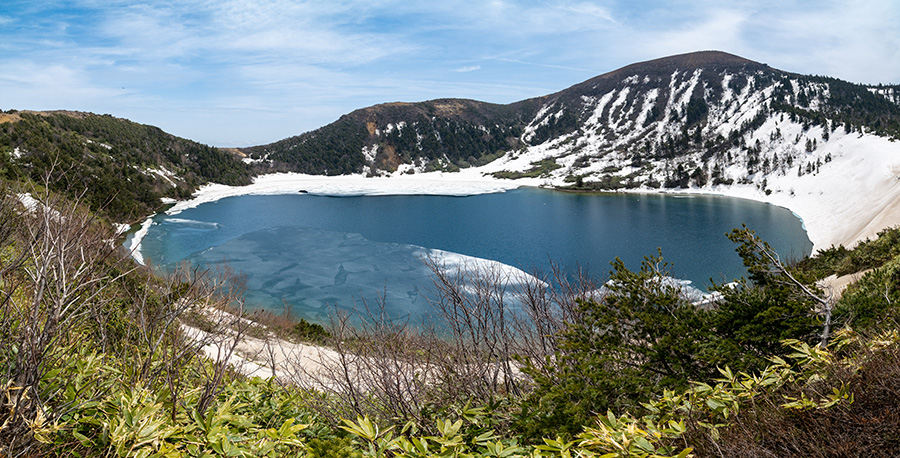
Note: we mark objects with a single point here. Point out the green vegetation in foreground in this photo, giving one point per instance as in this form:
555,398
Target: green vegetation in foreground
95,362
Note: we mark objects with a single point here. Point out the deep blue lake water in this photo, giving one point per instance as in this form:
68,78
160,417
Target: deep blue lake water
318,252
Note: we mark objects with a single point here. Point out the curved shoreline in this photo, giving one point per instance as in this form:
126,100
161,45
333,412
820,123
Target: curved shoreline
432,183
850,200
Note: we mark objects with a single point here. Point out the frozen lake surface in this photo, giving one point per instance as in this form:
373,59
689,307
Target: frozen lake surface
319,252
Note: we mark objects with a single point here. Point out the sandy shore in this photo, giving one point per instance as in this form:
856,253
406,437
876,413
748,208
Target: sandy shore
268,357
851,199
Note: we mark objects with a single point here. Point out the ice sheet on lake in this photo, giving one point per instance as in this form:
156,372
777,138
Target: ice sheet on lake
316,270
193,223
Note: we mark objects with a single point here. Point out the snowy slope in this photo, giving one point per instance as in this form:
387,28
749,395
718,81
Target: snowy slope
707,122
754,132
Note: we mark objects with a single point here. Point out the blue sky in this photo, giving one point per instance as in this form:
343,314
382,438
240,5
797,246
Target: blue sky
244,72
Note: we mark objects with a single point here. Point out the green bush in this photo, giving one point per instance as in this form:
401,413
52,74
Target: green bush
645,334
310,332
874,299
868,254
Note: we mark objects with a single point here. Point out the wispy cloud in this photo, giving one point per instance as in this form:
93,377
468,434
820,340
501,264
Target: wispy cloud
857,41
293,65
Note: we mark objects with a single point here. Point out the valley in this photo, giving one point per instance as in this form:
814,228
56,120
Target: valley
102,356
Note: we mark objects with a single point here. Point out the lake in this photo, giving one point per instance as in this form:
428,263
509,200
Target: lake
319,252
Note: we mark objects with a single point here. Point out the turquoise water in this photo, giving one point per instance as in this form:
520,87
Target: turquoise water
317,252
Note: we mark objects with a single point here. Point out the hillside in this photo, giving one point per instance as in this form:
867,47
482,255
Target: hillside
123,167
436,135
700,122
677,121
99,357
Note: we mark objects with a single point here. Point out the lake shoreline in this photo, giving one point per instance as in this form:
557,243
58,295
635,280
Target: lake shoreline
844,204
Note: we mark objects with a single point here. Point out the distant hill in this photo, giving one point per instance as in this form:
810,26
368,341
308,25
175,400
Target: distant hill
676,121
439,134
125,167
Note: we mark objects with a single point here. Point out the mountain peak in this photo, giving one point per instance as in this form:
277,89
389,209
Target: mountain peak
631,127
688,61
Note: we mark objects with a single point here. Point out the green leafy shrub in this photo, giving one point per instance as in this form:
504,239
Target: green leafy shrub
868,254
874,299
645,334
310,332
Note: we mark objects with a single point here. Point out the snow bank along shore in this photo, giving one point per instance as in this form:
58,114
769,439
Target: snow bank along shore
854,194
850,199
464,183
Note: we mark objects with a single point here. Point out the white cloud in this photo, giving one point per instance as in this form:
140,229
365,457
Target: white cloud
719,29
592,10
856,41
49,85
299,64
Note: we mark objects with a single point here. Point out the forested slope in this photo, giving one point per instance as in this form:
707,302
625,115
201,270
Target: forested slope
123,167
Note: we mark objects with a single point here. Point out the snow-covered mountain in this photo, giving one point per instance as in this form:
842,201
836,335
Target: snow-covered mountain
705,122
698,120
690,120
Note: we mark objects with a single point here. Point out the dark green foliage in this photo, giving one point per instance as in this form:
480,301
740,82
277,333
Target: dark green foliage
644,335
463,143
653,116
874,299
538,169
695,111
555,126
331,447
868,254
847,103
758,314
335,149
604,183
110,160
310,332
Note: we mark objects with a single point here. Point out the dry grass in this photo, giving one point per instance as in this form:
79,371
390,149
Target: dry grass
867,427
16,116
9,117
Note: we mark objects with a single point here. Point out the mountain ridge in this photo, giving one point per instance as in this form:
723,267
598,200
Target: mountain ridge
697,121
447,134
124,169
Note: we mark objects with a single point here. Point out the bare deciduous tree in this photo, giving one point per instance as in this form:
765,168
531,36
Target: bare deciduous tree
485,317
52,286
